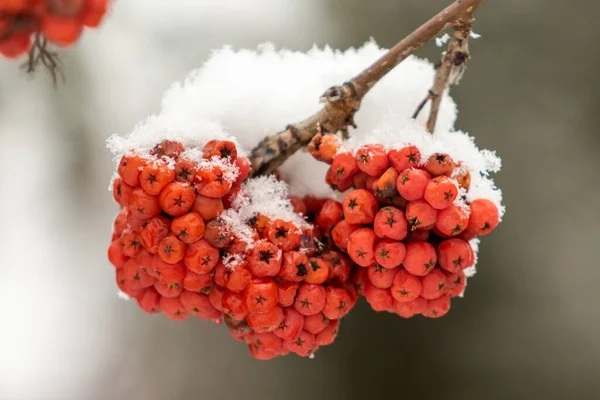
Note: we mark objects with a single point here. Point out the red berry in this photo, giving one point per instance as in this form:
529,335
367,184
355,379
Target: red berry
452,220
115,254
420,215
390,254
239,278
337,183
295,266
360,207
244,168
172,308
177,198
437,307
303,345
455,283
412,182
339,267
168,273
208,208
267,321
130,168
185,170
390,223
379,299
291,326
316,323
143,205
261,295
483,219
217,234
410,308
439,164
340,233
220,149
434,284
343,166
200,283
171,250
337,303
153,233
360,278
381,277
284,234
168,290
265,260
260,353
286,293
372,159
455,255
188,228
130,243
149,301
328,335
155,176
420,258
318,271
234,305
212,182
330,214
441,192
215,296
167,148
121,192
199,305
406,287
406,157
201,257
310,299
361,246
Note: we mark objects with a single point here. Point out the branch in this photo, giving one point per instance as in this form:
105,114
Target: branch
342,102
450,69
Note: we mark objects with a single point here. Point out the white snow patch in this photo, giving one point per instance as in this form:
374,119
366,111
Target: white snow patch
123,296
265,196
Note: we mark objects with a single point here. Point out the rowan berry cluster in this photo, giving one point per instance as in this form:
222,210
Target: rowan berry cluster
272,283
406,222
60,22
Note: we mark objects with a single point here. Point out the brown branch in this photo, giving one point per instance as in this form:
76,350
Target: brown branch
451,68
39,54
342,102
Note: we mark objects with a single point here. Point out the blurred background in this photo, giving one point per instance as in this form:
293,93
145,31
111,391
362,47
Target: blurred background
528,326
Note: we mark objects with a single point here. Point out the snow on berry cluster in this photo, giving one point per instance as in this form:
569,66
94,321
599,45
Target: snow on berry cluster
393,213
61,22
407,221
191,239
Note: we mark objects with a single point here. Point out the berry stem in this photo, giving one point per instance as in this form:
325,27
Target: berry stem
450,69
342,102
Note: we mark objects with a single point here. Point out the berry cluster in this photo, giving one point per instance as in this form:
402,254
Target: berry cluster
406,222
60,22
175,252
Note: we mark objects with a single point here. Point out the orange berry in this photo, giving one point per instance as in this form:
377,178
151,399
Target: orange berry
199,305
167,273
189,228
143,205
434,284
338,303
210,182
385,186
149,301
266,321
167,148
295,266
201,257
372,159
155,176
340,233
265,260
168,289
220,148
171,250
420,258
173,308
16,45
244,168
291,326
381,277
420,215
439,164
390,254
216,232
116,255
130,243
410,308
361,246
63,31
207,208
406,287
379,299
234,305
390,223
406,157
441,192
331,213
484,217
318,271
316,323
343,167
130,168
360,207
121,192
283,234
177,198
412,182
155,231
452,220
437,307
194,282
93,12
286,293
339,266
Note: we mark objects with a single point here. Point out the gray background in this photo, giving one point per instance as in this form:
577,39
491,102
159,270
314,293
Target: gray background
528,327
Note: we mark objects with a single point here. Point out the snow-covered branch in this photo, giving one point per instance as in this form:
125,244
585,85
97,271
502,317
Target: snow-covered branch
342,102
